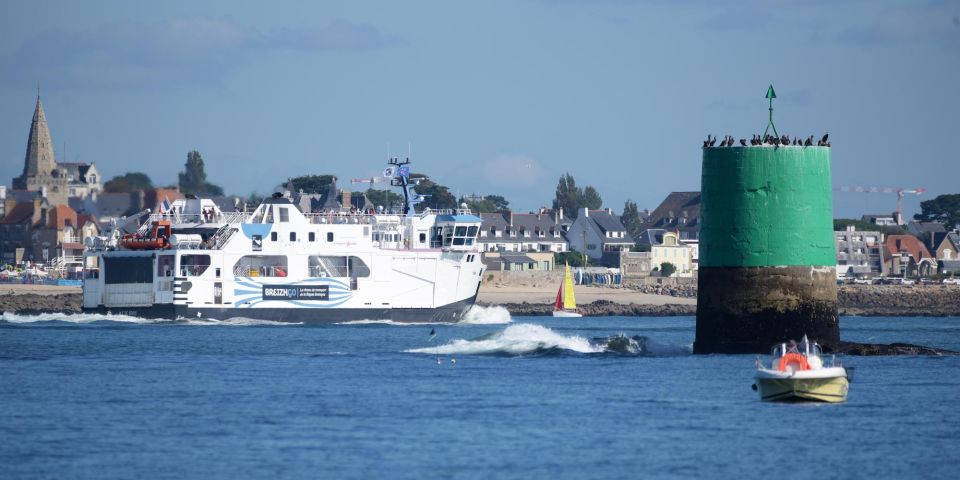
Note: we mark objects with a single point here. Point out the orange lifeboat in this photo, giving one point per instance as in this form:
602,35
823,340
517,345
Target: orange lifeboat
157,239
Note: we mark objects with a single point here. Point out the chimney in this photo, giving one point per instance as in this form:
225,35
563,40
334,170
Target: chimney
559,214
9,204
345,199
511,218
609,210
37,217
585,212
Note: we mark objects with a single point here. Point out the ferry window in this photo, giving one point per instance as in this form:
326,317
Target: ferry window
284,214
217,272
472,231
261,266
329,236
293,236
358,269
312,237
273,236
461,231
269,216
165,265
337,266
458,241
193,265
328,266
423,237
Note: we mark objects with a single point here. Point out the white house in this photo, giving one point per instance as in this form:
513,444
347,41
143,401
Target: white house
666,247
599,234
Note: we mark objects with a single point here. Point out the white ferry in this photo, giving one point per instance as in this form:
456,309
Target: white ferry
278,263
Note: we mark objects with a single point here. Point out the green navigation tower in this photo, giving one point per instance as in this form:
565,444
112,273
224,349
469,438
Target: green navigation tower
767,260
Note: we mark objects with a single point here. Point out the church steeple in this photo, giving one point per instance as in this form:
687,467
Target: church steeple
39,160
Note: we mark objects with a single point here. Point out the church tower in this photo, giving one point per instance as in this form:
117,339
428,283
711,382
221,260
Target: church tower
39,160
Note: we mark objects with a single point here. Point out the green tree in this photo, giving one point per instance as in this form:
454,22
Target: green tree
944,209
384,198
667,269
574,259
572,198
438,196
631,219
490,203
128,182
567,195
840,224
311,183
591,198
193,178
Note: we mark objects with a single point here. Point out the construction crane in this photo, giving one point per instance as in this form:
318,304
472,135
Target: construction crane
901,192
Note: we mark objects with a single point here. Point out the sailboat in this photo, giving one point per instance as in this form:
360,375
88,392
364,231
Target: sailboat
566,305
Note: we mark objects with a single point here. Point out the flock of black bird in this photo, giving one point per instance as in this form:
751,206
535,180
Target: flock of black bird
772,140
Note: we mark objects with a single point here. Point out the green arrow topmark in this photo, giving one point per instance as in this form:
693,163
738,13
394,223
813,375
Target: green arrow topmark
770,96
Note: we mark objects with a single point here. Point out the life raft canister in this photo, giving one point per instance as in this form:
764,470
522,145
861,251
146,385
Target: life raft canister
794,358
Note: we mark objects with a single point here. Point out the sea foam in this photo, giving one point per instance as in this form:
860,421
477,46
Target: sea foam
518,339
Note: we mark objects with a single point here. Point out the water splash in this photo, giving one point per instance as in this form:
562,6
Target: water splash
78,318
89,318
639,345
493,315
519,339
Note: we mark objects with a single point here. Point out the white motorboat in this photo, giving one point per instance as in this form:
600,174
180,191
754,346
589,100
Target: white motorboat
797,373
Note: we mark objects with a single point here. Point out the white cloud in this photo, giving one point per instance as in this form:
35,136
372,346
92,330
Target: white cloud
133,56
512,172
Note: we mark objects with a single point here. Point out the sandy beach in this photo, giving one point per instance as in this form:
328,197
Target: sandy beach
19,289
502,294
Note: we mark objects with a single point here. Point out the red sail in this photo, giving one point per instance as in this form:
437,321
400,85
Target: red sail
558,305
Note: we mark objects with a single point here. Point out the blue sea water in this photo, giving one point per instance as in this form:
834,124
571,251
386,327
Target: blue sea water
115,397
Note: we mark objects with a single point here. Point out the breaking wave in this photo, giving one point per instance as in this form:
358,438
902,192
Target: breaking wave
530,339
88,318
479,315
519,339
641,345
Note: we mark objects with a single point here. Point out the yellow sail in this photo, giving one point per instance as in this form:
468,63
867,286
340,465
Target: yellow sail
569,303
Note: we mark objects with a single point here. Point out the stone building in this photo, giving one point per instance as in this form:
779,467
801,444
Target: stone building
42,173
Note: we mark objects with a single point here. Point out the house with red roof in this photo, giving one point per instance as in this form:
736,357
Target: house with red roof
907,256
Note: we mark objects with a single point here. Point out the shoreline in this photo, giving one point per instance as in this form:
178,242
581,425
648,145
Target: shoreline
537,300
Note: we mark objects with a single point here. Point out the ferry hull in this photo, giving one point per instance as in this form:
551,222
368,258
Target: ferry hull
449,313
830,390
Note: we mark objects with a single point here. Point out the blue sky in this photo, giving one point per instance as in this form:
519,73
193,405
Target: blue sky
494,97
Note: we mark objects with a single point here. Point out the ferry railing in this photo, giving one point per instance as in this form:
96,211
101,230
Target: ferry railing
341,218
223,235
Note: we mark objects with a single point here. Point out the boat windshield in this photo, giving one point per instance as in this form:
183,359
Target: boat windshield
804,347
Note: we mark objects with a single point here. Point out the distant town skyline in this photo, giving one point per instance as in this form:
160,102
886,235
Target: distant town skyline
493,97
